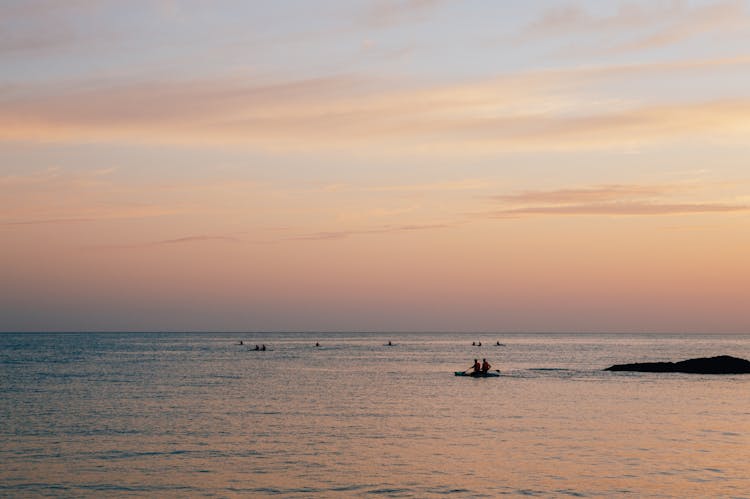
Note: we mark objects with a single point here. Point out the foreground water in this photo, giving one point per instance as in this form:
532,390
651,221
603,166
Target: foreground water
187,415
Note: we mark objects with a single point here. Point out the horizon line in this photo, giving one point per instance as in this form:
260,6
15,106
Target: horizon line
343,331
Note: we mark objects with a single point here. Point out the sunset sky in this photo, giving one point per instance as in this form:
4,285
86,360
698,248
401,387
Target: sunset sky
397,165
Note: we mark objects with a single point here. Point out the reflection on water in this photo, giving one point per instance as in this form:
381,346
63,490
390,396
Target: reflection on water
198,414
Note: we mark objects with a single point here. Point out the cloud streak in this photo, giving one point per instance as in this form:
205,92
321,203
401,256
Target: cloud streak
540,110
193,239
50,221
614,199
595,194
186,240
113,213
387,13
40,26
718,17
342,234
629,208
645,27
55,196
57,176
448,186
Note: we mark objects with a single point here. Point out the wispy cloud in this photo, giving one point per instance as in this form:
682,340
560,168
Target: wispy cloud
186,240
617,199
30,178
718,17
626,208
39,25
97,213
456,185
540,110
643,26
593,194
20,43
573,18
56,195
49,221
342,234
55,175
632,126
385,13
193,239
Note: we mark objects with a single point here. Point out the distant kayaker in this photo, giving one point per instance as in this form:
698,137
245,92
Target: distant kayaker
241,342
263,348
473,343
257,347
389,343
485,366
477,367
479,344
317,344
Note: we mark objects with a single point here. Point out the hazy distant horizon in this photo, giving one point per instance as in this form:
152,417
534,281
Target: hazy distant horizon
470,334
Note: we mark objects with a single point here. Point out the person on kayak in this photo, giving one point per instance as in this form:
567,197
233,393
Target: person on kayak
485,366
477,367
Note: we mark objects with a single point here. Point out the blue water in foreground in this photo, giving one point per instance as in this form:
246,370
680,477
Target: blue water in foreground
186,415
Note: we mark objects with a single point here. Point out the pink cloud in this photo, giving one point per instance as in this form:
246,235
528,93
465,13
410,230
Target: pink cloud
613,199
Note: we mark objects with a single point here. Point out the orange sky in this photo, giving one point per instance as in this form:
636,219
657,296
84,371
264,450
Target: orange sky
385,165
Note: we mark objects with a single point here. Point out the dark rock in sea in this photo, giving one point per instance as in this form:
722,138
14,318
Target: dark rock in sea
723,364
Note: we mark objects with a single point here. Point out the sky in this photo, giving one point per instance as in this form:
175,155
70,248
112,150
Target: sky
379,165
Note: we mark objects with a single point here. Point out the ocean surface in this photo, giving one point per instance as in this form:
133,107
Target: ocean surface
198,415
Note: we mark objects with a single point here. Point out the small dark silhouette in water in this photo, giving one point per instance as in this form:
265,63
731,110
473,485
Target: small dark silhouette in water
479,370
473,343
263,347
723,364
257,347
499,344
317,344
389,343
241,342
479,344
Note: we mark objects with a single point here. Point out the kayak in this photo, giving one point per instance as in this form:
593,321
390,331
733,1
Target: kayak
489,374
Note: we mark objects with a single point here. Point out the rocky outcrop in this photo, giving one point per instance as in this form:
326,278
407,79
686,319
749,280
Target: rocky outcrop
723,364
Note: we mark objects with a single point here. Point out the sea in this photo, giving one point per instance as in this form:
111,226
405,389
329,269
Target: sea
201,415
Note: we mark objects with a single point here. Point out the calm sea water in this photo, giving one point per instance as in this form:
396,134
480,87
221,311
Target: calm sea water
185,415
